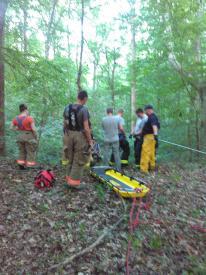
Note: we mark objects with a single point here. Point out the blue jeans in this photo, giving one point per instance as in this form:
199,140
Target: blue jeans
112,148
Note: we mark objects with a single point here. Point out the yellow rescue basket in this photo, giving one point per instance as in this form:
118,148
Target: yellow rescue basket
127,187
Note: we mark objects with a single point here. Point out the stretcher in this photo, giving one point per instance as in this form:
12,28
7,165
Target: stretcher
127,187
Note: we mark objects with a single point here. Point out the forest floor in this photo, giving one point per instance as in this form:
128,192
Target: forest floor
41,229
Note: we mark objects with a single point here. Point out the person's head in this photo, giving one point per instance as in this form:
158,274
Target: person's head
82,97
120,112
140,112
23,108
149,109
109,111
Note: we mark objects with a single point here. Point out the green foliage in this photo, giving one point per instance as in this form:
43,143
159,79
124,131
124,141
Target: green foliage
155,242
48,83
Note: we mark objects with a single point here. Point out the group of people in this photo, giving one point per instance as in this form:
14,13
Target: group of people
78,140
145,134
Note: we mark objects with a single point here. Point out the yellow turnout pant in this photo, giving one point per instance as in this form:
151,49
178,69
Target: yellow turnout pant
148,153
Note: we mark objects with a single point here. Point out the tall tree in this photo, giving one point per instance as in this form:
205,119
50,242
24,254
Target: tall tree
133,73
24,6
49,28
111,65
3,8
79,73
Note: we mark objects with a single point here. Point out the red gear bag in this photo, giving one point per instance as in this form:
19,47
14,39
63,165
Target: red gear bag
44,179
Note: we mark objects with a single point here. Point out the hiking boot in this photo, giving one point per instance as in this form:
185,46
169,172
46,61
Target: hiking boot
82,186
21,167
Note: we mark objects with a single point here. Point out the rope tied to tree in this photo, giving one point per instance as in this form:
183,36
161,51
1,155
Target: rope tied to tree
182,146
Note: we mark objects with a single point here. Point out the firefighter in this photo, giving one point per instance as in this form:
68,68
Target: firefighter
150,140
123,143
27,139
77,139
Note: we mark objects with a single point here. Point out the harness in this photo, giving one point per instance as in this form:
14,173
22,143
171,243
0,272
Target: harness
20,121
70,114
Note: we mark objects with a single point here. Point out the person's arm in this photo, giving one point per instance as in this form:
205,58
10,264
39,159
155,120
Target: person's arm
155,130
87,132
34,130
121,128
13,127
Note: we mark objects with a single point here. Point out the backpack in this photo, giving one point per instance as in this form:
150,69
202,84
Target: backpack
44,179
70,114
96,154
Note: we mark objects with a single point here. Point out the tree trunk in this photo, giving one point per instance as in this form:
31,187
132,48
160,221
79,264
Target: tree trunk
79,74
3,7
25,40
68,29
112,83
134,77
48,34
94,75
202,94
197,130
111,68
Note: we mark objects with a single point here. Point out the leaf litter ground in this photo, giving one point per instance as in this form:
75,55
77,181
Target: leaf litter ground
41,229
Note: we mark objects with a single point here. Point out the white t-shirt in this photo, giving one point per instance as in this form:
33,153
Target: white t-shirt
140,123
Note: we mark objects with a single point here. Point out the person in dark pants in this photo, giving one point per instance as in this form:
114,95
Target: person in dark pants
137,133
123,142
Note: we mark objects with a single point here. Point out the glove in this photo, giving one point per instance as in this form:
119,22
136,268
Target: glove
157,141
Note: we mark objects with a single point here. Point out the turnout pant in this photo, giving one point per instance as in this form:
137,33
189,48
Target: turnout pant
77,154
148,153
138,149
27,144
112,148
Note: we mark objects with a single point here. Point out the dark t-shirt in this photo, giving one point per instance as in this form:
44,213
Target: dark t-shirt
152,121
82,115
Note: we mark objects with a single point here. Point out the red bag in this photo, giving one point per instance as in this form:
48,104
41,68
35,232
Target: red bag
44,179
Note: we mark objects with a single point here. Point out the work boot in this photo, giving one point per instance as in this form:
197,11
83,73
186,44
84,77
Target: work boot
21,167
137,166
82,186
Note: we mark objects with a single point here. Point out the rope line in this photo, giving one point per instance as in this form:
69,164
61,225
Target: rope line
182,146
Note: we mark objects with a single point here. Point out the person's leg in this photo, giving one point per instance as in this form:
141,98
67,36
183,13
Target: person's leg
22,153
145,155
107,153
112,161
69,152
81,158
135,151
115,150
138,150
152,154
31,147
65,154
124,145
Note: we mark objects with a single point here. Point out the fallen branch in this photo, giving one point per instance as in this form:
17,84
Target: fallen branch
91,247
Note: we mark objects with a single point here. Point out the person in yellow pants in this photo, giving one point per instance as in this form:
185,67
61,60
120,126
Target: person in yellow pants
150,140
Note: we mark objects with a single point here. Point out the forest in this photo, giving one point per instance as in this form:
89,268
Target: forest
125,54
